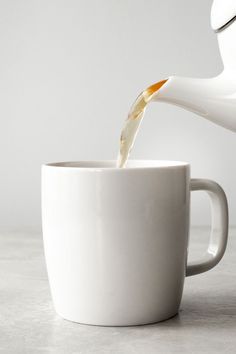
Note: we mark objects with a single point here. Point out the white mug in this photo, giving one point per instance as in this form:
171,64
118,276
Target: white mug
116,240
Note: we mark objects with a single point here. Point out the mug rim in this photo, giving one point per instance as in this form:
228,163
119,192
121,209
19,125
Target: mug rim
108,165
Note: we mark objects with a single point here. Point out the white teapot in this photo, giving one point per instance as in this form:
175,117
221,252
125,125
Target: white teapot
214,98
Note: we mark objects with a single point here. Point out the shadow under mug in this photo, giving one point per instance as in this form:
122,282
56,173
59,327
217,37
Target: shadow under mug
116,240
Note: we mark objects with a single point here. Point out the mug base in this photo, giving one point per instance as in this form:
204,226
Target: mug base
115,324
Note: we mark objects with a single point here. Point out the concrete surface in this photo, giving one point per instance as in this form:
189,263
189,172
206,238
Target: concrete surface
28,324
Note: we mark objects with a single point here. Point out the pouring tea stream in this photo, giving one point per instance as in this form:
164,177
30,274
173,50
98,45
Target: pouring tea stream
212,98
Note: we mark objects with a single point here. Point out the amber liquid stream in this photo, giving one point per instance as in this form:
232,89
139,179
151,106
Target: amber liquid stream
133,121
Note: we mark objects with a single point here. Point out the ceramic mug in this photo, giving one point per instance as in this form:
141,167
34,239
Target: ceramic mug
116,240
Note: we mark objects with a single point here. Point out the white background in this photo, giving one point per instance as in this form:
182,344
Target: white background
69,73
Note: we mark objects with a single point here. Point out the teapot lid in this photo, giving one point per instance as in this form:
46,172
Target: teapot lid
223,13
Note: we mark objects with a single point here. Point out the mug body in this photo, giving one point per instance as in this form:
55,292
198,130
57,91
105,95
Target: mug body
116,240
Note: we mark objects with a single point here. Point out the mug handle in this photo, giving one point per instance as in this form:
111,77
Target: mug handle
219,228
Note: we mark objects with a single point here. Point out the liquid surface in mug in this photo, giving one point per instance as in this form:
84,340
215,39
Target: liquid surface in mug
133,121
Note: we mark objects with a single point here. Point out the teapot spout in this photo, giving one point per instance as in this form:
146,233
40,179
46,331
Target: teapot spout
213,98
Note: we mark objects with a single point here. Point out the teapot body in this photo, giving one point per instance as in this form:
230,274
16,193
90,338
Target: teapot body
212,98
227,46
223,22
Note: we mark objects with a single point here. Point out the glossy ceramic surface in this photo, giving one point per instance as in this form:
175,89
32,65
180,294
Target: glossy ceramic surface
212,98
116,240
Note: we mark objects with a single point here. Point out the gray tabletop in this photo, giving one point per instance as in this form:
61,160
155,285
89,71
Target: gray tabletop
28,324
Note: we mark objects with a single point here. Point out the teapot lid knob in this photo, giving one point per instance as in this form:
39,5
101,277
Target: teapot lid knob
223,13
